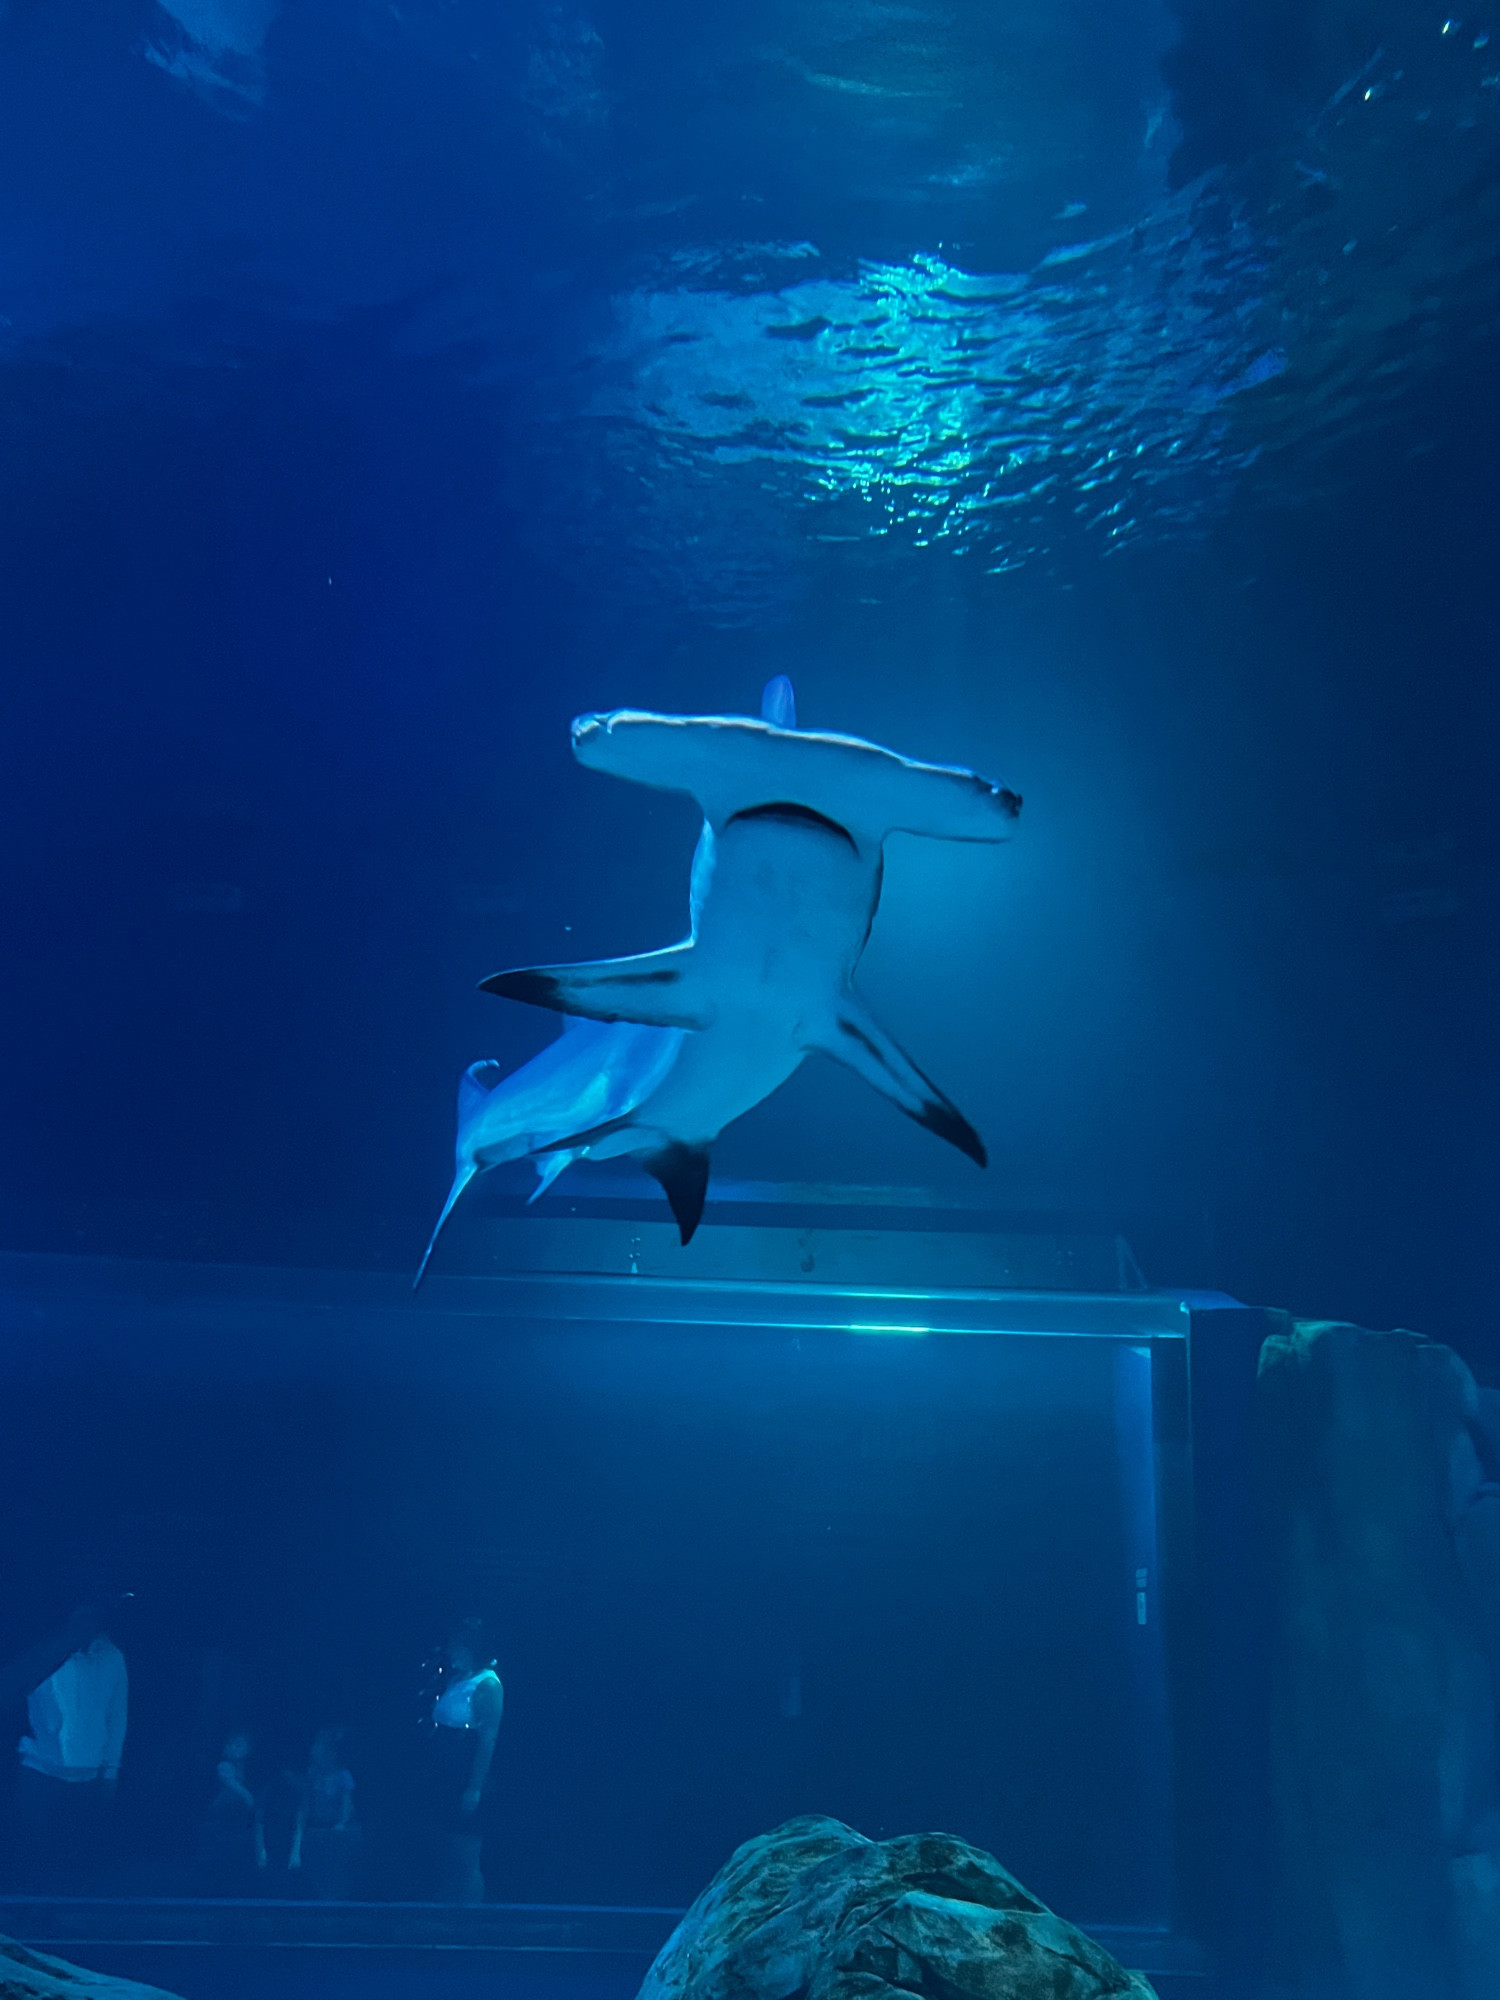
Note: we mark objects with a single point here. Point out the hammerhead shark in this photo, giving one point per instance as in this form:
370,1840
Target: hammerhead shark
786,883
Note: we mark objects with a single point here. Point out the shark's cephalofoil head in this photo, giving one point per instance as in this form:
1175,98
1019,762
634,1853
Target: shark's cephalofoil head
665,751
735,763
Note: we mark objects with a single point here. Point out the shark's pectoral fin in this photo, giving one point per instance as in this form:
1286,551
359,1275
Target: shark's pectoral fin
683,1173
856,1038
656,989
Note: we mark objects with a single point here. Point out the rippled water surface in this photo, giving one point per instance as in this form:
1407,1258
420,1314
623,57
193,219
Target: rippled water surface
1120,386
946,274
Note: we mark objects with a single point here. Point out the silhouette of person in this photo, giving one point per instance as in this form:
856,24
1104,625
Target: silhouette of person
465,1715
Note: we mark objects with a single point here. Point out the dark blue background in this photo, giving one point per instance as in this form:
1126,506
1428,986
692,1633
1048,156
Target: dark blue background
298,591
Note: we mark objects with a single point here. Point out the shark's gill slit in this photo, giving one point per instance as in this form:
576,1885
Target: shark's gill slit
791,814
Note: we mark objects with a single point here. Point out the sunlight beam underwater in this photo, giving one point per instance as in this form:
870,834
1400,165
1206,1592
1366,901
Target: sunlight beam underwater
669,1047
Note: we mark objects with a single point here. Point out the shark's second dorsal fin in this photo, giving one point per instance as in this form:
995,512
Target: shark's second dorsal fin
778,702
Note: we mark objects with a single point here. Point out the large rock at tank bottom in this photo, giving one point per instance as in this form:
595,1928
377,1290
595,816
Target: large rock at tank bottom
32,1975
814,1911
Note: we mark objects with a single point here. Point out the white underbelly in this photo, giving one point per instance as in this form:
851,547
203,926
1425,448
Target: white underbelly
786,919
720,1074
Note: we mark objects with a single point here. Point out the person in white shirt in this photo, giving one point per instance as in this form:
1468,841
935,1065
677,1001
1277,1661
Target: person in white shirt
70,1754
465,1721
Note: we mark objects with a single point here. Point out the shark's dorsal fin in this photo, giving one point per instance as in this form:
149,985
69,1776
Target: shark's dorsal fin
701,879
855,1037
778,702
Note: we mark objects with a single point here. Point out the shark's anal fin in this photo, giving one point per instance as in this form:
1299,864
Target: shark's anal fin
654,989
548,1167
683,1173
856,1038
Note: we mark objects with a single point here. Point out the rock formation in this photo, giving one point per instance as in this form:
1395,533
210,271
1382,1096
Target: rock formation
815,1910
32,1975
1386,1528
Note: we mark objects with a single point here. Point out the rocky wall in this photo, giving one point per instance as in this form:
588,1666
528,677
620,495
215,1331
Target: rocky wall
1382,1469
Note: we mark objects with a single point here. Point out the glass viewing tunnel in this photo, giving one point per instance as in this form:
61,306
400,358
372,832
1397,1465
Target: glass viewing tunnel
902,1525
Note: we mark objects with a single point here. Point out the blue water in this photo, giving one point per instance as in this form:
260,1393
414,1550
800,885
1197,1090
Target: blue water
384,387
1102,397
227,1973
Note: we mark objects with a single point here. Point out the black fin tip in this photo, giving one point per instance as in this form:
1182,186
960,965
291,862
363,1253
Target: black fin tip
950,1124
682,1172
539,988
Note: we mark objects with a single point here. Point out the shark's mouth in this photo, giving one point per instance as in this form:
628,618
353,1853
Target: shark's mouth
794,815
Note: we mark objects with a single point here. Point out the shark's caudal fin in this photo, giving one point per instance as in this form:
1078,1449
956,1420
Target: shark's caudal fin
857,1039
682,1172
461,1180
653,989
474,1086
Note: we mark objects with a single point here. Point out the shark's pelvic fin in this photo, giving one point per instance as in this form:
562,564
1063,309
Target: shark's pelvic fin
683,1174
856,1038
653,989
